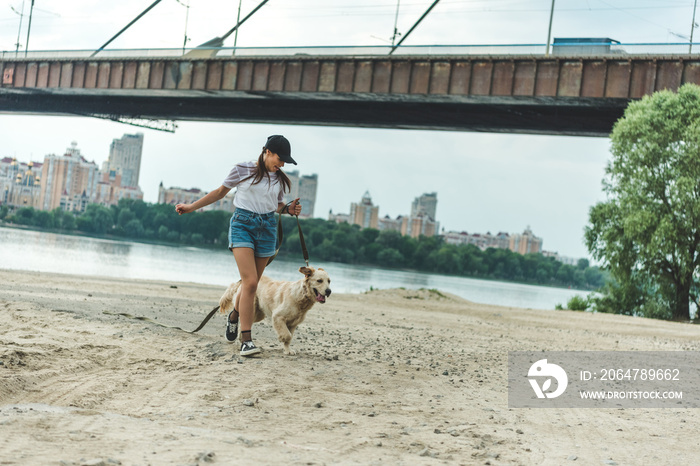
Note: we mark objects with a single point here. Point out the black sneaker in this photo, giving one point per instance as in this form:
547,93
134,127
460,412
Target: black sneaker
231,328
248,348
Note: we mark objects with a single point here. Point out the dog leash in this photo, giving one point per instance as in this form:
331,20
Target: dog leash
304,251
147,319
280,237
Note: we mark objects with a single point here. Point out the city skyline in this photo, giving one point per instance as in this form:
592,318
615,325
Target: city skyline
578,171
425,203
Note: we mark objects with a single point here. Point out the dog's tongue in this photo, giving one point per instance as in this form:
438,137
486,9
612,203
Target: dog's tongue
320,298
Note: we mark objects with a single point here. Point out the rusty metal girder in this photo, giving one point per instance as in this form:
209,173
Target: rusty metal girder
576,89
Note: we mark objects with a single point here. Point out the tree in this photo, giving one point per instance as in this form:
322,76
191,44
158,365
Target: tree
125,216
529,265
425,246
390,239
368,235
24,216
43,219
594,277
96,219
647,232
163,233
565,274
390,257
68,221
371,251
134,228
448,260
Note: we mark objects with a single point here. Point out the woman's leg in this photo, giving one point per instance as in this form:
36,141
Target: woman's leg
245,260
250,268
260,264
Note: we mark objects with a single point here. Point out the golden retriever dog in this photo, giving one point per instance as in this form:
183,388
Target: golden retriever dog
285,303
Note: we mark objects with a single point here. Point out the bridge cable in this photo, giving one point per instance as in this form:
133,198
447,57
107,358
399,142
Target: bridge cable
414,26
244,19
218,42
126,27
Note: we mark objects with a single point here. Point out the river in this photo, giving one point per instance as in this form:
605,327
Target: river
51,252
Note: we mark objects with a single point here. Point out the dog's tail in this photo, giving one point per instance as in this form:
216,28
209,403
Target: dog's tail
226,301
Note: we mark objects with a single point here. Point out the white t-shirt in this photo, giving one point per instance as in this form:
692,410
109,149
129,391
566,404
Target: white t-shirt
260,198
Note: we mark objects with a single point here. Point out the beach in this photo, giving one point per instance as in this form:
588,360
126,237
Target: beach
383,377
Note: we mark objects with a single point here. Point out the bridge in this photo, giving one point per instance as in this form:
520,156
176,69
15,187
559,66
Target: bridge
562,94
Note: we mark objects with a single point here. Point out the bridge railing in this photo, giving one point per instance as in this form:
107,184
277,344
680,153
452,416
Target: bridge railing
590,49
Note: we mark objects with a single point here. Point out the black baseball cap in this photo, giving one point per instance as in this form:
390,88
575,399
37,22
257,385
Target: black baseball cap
280,146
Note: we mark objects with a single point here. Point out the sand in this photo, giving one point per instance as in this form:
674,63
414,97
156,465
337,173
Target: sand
385,377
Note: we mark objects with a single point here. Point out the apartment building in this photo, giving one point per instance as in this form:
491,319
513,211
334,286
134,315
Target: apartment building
365,213
303,187
125,158
68,181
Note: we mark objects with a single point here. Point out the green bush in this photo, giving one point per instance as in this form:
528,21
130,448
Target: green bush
578,303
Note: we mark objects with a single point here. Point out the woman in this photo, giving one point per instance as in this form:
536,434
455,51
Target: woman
252,232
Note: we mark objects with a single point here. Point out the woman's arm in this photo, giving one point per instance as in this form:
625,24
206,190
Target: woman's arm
210,198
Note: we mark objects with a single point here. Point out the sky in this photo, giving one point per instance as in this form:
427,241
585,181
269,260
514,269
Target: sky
486,182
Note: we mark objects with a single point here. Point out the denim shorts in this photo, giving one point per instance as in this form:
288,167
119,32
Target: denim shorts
256,231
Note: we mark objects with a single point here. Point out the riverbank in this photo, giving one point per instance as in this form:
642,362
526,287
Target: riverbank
389,376
54,253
